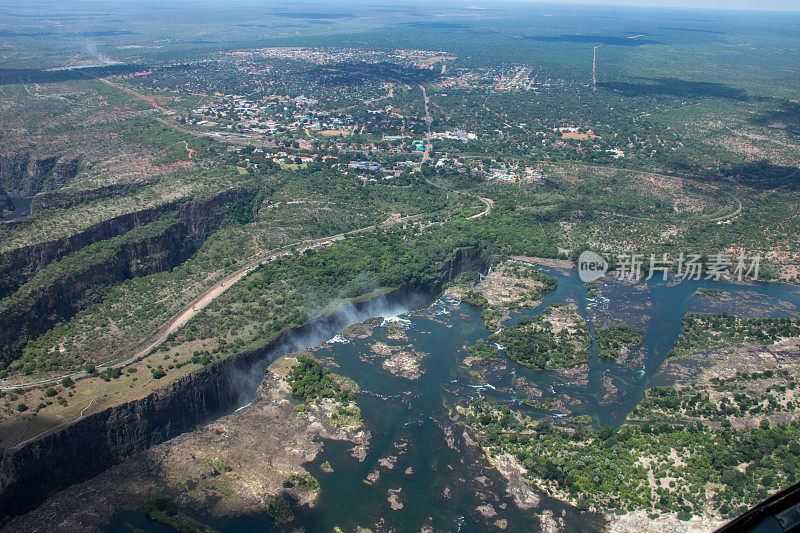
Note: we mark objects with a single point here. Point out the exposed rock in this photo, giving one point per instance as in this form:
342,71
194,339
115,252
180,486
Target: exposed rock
523,495
639,522
361,330
550,524
576,375
373,477
400,361
610,390
158,246
5,203
487,511
502,288
65,198
394,499
27,174
359,452
229,467
388,462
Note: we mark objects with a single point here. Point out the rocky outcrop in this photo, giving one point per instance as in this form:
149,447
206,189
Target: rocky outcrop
27,174
33,470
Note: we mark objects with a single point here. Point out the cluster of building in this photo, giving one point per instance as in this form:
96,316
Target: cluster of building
513,173
324,56
516,78
458,135
375,169
271,115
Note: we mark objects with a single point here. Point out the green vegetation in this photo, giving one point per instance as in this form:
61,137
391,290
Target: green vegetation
522,271
689,141
705,331
659,156
304,482
614,340
311,381
218,466
465,279
160,508
347,414
708,291
105,261
280,510
724,402
559,338
483,350
475,299
491,318
611,469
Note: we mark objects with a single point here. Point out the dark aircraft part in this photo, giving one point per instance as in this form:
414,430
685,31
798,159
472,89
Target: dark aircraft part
777,514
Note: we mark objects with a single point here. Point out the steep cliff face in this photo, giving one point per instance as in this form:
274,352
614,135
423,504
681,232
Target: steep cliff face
19,265
201,217
463,260
5,202
63,288
28,174
13,169
33,470
64,199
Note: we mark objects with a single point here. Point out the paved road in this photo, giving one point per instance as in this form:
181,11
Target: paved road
489,205
426,154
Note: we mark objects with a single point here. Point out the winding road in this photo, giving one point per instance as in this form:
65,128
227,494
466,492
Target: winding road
202,301
427,155
489,205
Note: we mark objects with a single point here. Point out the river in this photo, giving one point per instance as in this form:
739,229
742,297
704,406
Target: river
439,478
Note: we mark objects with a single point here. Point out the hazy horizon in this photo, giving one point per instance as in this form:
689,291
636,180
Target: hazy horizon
720,5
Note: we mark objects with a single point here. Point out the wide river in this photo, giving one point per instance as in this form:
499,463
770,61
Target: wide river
441,480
